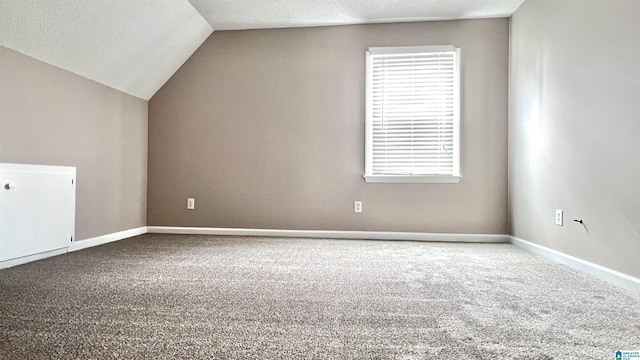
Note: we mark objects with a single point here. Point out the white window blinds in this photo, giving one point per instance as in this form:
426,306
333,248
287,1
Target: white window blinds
412,111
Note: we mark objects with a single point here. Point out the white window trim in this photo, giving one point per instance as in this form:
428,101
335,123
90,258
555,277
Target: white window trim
408,179
443,179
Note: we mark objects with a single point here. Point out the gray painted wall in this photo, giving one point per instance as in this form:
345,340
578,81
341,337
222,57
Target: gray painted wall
265,128
574,126
49,116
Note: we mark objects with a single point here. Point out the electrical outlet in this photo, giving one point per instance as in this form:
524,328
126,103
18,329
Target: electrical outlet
357,206
559,215
191,203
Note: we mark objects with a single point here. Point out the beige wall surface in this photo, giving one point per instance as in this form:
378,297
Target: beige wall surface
265,129
49,116
574,126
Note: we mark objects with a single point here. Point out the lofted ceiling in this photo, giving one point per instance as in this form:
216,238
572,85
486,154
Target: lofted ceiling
257,14
135,46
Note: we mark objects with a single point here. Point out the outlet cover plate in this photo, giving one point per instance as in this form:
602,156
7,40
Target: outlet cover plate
357,206
559,217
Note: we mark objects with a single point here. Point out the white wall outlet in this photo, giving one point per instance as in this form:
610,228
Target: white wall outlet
191,203
357,206
559,215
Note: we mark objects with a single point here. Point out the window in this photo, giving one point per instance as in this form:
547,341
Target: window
412,114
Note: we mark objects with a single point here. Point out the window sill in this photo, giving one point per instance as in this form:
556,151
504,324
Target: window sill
433,179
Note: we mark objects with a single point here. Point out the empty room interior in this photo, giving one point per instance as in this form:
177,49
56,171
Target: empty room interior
332,179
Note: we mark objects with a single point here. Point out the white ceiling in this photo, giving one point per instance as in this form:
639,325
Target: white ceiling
256,14
135,46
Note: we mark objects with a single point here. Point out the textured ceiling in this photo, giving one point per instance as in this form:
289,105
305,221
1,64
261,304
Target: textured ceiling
256,14
135,46
131,45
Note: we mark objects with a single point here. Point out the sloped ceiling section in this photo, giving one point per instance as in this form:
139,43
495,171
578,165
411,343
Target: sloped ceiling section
256,14
133,46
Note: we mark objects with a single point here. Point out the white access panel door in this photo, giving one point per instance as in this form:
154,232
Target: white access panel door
37,209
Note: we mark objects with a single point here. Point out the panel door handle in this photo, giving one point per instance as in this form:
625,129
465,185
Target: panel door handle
9,186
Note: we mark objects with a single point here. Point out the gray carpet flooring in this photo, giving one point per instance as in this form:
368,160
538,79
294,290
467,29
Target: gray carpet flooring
200,297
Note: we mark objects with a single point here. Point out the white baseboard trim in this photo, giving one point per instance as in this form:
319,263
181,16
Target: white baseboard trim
104,239
333,234
27,259
614,277
79,245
